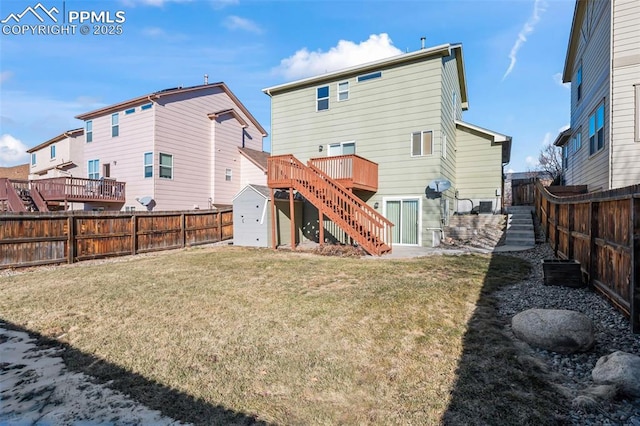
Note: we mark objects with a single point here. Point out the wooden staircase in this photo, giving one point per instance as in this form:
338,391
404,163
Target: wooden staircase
19,196
364,225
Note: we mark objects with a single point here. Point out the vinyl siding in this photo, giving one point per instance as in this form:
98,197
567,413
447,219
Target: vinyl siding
379,116
626,74
450,85
250,173
125,152
184,130
593,54
479,170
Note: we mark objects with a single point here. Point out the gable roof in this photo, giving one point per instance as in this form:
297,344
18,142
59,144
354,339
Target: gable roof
494,137
574,39
259,158
261,190
563,137
61,136
422,54
173,91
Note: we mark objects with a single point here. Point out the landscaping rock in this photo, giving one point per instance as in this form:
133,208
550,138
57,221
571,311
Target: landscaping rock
621,369
556,330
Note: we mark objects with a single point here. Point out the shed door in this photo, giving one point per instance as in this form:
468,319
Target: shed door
404,215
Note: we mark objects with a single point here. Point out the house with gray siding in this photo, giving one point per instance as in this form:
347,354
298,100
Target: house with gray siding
602,147
361,145
176,149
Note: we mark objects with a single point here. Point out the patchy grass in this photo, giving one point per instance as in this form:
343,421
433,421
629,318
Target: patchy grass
288,338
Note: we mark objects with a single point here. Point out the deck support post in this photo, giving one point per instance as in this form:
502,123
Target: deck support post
292,219
321,226
273,219
634,230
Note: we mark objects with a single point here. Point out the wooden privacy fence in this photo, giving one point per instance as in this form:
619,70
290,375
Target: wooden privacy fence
46,238
602,232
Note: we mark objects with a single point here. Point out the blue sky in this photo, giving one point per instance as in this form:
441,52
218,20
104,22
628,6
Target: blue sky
514,55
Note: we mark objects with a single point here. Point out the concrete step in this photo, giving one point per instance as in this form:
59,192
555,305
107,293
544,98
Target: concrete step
520,221
519,209
520,227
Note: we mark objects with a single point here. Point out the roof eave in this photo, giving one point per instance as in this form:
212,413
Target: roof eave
574,37
55,139
441,50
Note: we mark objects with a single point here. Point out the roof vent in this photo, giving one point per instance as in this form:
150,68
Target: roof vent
422,42
206,79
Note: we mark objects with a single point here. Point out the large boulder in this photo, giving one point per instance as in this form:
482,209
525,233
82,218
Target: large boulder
556,330
621,369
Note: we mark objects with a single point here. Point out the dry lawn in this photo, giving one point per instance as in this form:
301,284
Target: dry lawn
232,335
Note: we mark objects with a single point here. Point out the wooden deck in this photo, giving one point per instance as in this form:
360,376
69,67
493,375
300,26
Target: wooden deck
351,171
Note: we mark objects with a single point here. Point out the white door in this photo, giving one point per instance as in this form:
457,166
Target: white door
405,216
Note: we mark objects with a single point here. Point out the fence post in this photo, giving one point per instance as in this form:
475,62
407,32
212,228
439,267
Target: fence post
556,231
134,233
183,231
593,234
219,213
570,208
71,238
634,230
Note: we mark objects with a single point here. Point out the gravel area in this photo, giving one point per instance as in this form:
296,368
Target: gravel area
573,372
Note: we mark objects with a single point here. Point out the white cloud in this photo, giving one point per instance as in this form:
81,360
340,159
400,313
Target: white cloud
557,78
547,139
237,23
221,4
531,161
5,76
156,3
12,151
510,170
347,53
160,33
527,29
563,128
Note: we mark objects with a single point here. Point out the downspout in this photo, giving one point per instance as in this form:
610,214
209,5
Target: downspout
153,151
610,95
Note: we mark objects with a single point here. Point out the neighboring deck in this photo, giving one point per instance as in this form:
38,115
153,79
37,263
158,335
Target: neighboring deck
45,193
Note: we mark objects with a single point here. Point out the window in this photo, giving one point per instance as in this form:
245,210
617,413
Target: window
93,169
33,159
370,76
565,156
166,166
343,148
130,111
88,132
444,146
579,82
596,130
129,208
115,126
577,141
148,164
53,152
343,91
322,98
146,107
106,170
421,143
227,175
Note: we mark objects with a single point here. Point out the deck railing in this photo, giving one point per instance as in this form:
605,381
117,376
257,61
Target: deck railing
352,171
80,189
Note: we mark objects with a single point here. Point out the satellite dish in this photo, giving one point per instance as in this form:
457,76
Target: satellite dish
439,185
145,201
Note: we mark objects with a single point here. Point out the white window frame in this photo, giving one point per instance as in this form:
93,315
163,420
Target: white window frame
577,140
319,99
161,166
88,131
33,159
115,125
594,115
341,146
145,165
228,175
405,198
96,173
342,91
52,152
422,133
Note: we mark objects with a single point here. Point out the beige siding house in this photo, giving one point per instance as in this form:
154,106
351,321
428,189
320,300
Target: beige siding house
57,157
176,149
602,146
404,115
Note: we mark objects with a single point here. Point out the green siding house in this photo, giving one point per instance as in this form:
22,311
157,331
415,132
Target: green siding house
383,131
